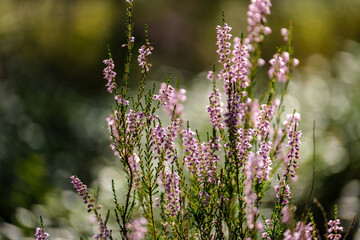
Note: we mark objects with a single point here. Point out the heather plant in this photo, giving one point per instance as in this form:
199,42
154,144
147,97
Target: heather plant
181,186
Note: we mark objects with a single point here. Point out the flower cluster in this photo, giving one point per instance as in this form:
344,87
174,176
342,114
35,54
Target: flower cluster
334,229
279,67
301,232
83,192
192,150
283,192
171,99
223,37
81,188
239,71
109,74
293,143
134,164
121,101
172,192
137,229
215,109
163,140
104,232
144,52
41,235
258,9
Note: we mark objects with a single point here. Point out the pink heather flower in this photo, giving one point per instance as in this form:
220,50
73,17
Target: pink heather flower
334,229
279,67
104,232
210,160
131,39
163,140
171,97
250,197
243,143
83,192
192,149
301,232
129,1
137,229
283,192
121,101
215,109
41,235
109,74
239,71
262,119
293,143
200,158
236,109
223,37
144,52
134,164
258,9
286,214
212,76
295,62
284,32
172,192
128,133
261,62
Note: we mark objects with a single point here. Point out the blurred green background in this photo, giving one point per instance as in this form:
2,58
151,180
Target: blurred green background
53,101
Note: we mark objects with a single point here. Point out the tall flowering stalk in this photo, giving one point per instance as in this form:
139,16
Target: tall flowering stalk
181,185
40,233
81,188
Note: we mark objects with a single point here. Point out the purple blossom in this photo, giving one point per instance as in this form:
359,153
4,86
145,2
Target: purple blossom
293,143
286,215
223,44
163,140
121,101
134,164
210,159
243,146
131,40
129,1
301,232
137,229
109,74
127,132
192,149
215,109
258,9
241,64
283,192
236,109
172,192
41,235
250,197
261,62
285,33
83,192
334,229
262,118
279,67
104,232
144,52
171,97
